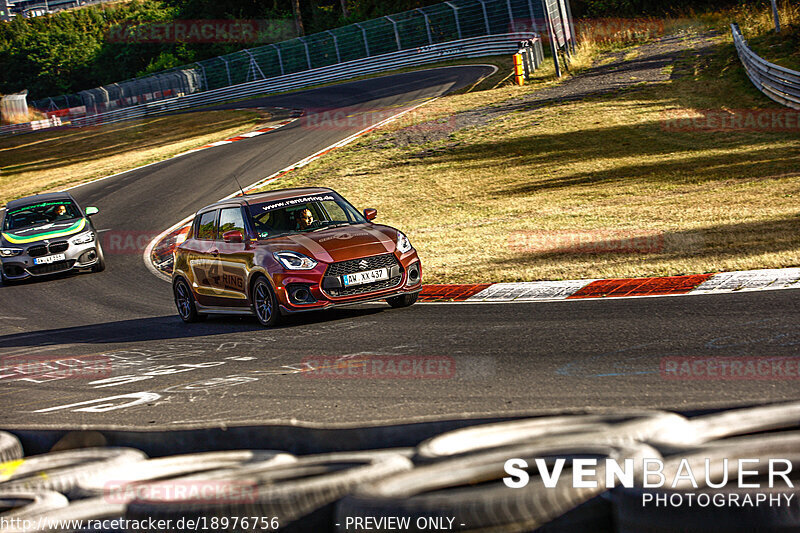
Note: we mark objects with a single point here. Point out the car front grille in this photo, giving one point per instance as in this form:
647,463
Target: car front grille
58,247
359,265
54,248
37,251
52,268
362,264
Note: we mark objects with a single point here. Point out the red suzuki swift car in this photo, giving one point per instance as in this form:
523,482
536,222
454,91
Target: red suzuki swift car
289,251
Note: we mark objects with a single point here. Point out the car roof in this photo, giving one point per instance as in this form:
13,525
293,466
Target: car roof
47,197
268,196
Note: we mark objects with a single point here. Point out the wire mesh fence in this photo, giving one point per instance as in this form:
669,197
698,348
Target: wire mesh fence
409,31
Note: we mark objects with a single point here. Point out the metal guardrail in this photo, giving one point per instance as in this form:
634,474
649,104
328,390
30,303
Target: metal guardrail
466,48
778,83
426,26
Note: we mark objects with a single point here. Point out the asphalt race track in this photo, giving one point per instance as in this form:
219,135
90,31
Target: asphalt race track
467,359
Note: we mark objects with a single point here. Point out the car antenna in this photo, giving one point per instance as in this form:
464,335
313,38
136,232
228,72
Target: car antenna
244,194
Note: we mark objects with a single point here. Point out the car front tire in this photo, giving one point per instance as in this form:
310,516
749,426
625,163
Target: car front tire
100,265
265,303
184,302
404,300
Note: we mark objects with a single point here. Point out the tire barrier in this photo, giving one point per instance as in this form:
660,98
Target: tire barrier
20,504
447,489
61,471
124,478
300,496
709,428
630,426
457,479
10,447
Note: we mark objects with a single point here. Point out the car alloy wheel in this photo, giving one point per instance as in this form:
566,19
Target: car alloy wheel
184,301
265,304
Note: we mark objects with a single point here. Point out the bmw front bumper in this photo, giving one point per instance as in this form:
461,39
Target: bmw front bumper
24,266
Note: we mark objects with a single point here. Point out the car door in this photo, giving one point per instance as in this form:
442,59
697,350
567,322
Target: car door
233,259
203,257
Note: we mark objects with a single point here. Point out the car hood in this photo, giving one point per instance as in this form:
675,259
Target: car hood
339,244
52,230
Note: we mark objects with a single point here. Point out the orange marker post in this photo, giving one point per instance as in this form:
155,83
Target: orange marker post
519,71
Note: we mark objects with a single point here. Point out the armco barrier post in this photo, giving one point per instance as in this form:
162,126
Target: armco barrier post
519,72
530,56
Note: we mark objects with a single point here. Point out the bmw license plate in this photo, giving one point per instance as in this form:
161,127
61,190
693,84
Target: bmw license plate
46,260
368,276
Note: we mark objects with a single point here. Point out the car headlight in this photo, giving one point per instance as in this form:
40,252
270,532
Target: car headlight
10,252
83,238
403,244
295,261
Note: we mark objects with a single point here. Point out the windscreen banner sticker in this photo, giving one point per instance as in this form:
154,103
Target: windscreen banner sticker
295,201
44,231
36,206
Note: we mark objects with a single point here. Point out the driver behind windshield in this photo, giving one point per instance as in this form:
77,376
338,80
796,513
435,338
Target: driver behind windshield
304,219
61,213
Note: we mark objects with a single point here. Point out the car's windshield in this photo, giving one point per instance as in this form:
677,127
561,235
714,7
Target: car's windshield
302,214
40,213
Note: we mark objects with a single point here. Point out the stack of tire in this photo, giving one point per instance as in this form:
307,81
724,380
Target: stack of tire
458,474
454,480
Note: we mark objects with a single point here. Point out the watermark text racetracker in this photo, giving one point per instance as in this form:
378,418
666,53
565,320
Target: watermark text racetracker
187,491
604,241
716,120
44,368
127,242
730,368
202,31
380,367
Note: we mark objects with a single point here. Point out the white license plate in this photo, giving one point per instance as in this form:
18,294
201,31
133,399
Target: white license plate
368,276
49,259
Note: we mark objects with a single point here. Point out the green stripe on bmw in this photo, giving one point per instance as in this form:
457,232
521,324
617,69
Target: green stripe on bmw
18,239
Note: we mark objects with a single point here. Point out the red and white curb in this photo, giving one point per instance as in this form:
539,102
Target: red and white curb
548,291
248,135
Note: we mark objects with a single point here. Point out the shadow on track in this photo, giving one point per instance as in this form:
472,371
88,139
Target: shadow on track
170,327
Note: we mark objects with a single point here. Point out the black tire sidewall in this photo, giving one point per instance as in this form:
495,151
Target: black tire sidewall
275,316
194,316
100,265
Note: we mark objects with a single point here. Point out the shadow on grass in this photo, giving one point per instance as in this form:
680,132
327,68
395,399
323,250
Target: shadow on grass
651,140
720,242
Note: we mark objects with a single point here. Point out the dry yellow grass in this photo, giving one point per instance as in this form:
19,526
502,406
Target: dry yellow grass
53,160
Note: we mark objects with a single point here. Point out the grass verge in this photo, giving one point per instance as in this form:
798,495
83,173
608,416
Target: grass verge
600,187
53,160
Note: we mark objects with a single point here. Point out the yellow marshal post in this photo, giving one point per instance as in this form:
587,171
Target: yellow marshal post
519,71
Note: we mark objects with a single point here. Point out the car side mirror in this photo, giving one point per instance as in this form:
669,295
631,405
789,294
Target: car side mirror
233,236
91,211
370,214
